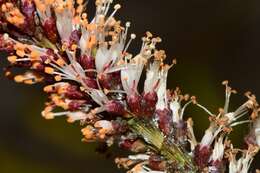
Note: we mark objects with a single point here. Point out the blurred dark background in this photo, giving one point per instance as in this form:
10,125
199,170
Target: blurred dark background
212,41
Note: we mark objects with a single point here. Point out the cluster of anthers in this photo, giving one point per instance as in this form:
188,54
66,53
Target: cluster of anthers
92,77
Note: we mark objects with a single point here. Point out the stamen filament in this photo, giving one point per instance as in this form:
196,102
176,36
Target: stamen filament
240,122
205,109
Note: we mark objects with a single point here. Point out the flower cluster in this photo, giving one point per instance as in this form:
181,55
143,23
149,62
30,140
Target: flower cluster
91,77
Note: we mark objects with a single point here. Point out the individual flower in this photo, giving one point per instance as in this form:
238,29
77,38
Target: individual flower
222,123
243,163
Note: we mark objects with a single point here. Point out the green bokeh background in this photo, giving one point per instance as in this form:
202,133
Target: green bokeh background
212,41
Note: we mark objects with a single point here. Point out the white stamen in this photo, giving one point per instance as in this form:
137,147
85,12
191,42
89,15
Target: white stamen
240,122
116,7
205,109
133,36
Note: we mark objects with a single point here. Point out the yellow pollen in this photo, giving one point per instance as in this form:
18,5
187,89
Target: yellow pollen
34,55
48,108
35,65
59,9
20,53
58,78
103,131
19,78
13,14
49,2
12,59
62,90
70,120
91,42
47,61
29,82
70,4
48,88
63,105
48,70
41,7
64,46
88,133
74,47
60,62
91,27
19,46
79,1
48,116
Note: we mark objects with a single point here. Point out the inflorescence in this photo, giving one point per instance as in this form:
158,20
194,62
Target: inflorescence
93,79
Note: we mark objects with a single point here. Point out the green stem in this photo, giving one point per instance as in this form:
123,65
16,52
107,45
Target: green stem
172,152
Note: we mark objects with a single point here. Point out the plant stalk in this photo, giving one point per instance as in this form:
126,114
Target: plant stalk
172,152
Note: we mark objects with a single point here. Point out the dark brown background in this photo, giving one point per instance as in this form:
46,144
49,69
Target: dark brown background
212,40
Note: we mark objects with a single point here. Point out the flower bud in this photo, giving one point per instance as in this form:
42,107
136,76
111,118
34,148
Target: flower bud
134,102
72,92
149,101
91,83
165,120
115,107
202,155
49,26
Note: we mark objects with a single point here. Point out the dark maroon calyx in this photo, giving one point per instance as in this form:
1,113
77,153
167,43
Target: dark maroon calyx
156,163
72,92
51,53
75,105
74,37
126,144
149,102
91,83
133,145
115,107
150,98
116,76
134,103
87,62
43,58
28,9
202,155
165,120
49,27
104,80
110,81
